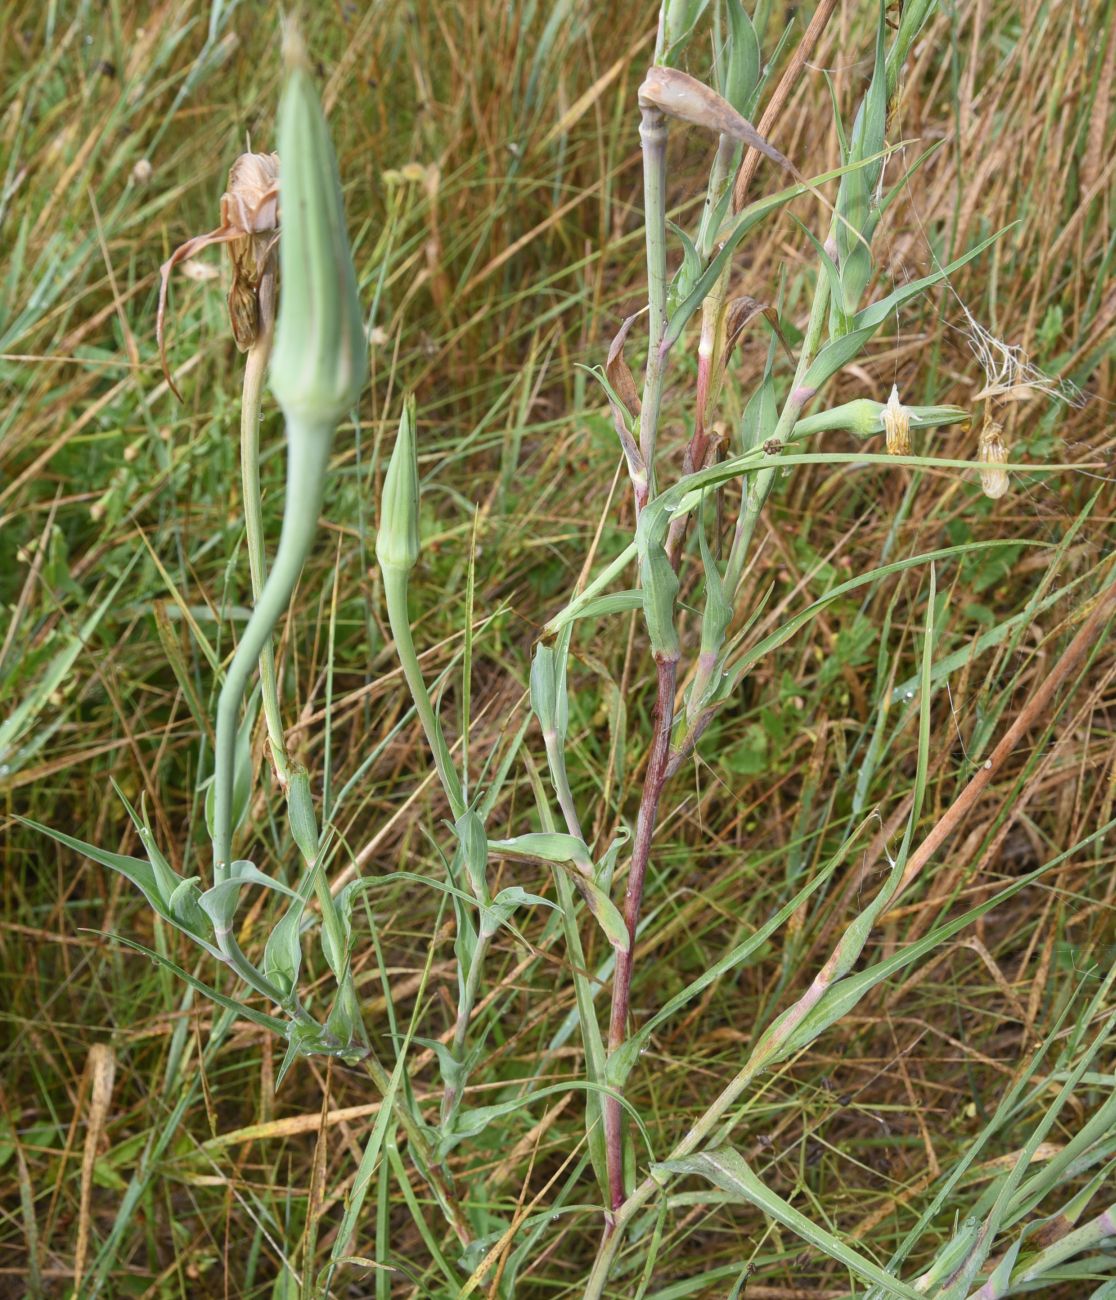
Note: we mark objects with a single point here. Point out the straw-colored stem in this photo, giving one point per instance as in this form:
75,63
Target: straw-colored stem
307,462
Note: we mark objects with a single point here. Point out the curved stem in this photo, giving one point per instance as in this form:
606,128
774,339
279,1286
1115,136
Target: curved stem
307,462
255,369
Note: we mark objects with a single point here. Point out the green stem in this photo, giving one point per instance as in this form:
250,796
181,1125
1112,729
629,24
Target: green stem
307,462
560,779
452,1093
428,1166
759,485
611,570
1088,1237
653,139
396,582
642,1194
757,489
331,921
255,369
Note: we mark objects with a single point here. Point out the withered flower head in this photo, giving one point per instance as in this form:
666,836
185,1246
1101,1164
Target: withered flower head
250,228
992,453
897,425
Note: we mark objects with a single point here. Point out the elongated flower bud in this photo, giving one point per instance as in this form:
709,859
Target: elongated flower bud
319,364
864,418
397,542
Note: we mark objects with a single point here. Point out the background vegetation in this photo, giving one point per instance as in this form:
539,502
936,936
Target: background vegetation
491,163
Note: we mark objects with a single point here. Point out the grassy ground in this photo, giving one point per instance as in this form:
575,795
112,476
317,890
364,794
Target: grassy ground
491,161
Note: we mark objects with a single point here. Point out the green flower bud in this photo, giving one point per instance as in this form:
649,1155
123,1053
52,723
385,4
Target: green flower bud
862,417
319,363
865,418
397,542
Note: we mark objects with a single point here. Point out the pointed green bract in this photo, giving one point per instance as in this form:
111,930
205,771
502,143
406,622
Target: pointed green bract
397,541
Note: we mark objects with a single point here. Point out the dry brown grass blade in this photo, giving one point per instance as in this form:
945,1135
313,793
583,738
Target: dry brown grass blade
774,109
1031,712
101,1068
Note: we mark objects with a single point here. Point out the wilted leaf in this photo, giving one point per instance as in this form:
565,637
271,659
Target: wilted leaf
617,370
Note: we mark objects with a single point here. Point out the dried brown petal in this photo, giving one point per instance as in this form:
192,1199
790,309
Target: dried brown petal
740,314
250,259
681,96
249,224
251,203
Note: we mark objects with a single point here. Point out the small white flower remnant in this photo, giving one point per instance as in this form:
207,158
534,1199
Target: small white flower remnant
897,424
992,453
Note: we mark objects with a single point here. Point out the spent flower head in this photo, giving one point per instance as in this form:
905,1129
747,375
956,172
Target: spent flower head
992,453
897,425
250,227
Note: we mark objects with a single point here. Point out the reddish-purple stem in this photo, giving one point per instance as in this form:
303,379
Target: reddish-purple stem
653,783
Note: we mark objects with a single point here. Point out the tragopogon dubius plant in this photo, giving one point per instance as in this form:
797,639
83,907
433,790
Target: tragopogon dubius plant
694,529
